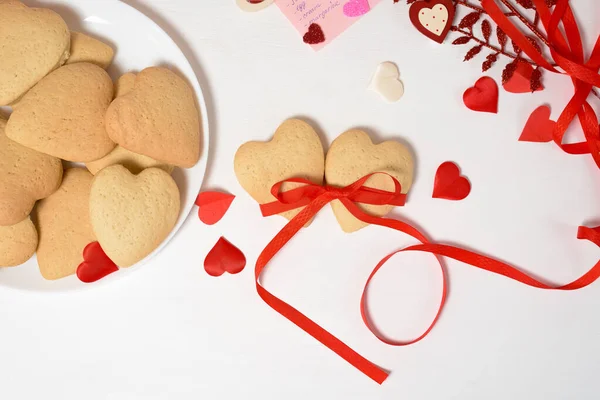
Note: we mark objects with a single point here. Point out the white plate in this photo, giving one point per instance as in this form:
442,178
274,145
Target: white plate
139,43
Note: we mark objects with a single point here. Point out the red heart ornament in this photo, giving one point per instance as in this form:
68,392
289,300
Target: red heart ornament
449,184
213,206
433,18
483,96
520,81
224,257
314,35
96,264
539,126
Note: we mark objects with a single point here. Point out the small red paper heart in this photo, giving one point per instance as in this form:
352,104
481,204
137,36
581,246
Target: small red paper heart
483,96
96,264
314,35
433,18
213,206
520,81
449,184
539,126
224,257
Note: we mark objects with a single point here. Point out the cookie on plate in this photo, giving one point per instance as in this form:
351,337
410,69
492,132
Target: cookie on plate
33,42
25,177
63,222
63,115
294,152
87,49
17,243
134,162
157,118
132,214
124,84
352,156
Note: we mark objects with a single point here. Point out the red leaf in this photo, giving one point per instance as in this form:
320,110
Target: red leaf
489,62
501,37
486,29
473,52
462,40
534,43
509,71
516,47
528,4
536,79
469,20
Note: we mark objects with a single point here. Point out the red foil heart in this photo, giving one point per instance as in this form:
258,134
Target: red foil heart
424,12
224,257
213,206
482,97
449,184
96,264
314,35
539,126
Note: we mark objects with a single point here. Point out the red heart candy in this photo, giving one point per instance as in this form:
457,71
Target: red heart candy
433,18
96,264
449,184
520,81
213,206
314,35
539,127
483,96
224,257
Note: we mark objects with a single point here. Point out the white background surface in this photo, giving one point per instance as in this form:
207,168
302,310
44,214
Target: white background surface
170,331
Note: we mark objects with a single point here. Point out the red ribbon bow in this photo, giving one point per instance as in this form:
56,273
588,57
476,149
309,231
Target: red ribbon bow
314,197
568,54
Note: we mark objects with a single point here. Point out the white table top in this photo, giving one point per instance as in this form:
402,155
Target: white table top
170,331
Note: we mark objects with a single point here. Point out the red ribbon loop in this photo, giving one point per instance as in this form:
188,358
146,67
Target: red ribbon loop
313,198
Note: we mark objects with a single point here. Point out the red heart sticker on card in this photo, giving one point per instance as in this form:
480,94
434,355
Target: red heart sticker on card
96,264
483,96
520,81
449,184
224,257
314,35
539,127
213,206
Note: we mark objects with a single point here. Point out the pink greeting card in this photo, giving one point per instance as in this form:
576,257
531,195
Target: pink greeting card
332,17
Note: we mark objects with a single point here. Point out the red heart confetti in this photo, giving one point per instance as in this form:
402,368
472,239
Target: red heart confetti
539,127
96,264
213,206
449,184
520,81
224,257
314,35
433,18
483,96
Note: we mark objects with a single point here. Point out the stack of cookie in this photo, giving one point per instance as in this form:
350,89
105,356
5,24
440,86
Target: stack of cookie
129,136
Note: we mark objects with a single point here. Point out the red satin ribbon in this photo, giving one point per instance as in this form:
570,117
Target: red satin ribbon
568,54
314,197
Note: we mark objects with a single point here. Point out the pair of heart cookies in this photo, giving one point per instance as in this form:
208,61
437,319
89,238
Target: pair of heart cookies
297,152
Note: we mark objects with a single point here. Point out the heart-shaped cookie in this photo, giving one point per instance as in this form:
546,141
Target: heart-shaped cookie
352,156
33,42
387,83
157,118
63,222
131,215
17,243
25,177
294,152
63,115
433,18
87,49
